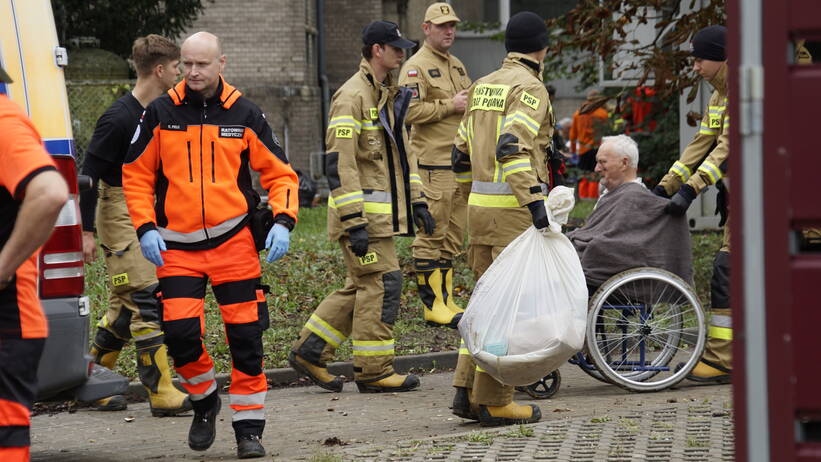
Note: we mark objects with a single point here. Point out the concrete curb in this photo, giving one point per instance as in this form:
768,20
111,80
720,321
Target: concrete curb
286,376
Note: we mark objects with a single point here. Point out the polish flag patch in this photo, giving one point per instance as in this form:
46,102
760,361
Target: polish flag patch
412,73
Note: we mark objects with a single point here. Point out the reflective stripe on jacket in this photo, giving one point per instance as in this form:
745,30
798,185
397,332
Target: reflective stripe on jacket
703,161
373,180
500,149
193,156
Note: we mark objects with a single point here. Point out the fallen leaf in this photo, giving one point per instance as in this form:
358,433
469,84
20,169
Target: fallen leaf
334,441
561,409
129,419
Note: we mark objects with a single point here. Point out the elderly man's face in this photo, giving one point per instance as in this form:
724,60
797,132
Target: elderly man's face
612,167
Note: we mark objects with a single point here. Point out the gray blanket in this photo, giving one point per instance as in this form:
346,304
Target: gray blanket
629,229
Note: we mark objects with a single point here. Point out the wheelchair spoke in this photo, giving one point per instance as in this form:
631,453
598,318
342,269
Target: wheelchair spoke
666,344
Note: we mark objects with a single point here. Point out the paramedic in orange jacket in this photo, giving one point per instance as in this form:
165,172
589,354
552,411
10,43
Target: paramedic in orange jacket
32,193
587,129
192,153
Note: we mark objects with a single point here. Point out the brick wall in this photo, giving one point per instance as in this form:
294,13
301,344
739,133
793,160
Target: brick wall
267,58
345,20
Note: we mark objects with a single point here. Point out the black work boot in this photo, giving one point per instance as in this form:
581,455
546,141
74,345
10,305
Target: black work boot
204,425
462,406
249,433
249,447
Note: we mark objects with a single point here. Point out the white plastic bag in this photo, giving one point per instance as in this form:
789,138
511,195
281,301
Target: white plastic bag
528,312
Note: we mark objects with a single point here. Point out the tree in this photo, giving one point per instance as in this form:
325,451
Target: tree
116,23
600,30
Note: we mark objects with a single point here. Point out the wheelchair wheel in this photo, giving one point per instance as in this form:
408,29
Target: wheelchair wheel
641,324
546,387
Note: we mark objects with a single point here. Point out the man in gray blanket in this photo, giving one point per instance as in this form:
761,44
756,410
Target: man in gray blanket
629,228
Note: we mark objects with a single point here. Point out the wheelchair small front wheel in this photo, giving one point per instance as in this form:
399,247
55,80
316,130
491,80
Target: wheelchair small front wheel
546,387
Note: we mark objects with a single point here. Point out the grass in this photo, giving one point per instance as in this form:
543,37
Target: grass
480,437
521,431
313,268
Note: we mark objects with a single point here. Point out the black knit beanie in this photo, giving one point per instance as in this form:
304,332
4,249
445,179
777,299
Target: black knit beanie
525,33
708,43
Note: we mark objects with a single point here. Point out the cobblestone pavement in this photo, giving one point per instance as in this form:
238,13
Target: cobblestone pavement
585,420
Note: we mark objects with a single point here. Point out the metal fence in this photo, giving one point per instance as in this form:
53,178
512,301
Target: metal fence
87,100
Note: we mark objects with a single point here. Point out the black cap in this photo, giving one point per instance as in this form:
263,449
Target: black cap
384,33
4,77
708,43
526,32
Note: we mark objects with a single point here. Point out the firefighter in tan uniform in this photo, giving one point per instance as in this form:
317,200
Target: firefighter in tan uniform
439,83
132,308
375,191
702,164
502,142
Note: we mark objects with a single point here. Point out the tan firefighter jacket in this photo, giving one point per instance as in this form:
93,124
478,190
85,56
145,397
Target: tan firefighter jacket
701,164
434,78
373,180
501,147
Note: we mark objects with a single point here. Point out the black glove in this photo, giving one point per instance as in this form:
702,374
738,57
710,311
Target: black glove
722,203
539,214
661,192
679,204
359,241
424,220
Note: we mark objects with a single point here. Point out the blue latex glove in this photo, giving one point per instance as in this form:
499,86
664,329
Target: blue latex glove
152,244
277,242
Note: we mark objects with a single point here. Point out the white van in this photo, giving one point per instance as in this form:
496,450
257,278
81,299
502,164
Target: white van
31,55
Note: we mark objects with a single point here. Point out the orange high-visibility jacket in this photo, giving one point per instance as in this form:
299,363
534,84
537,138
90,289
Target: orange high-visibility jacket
586,130
193,156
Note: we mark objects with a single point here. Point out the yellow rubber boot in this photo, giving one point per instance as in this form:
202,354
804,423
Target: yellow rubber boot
429,280
318,375
108,359
446,267
164,398
706,373
509,414
391,383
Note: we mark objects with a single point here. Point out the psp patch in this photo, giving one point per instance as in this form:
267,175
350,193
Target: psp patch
119,279
434,73
232,132
368,259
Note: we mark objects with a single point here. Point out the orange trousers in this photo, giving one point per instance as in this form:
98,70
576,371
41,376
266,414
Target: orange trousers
234,271
18,386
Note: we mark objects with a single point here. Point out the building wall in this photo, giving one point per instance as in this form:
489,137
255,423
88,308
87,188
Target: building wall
344,22
268,58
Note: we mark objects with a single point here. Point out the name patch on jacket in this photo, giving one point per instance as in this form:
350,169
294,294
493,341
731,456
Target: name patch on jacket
174,127
489,97
232,132
434,73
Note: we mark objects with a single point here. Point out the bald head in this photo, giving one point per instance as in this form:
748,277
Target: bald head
204,40
203,62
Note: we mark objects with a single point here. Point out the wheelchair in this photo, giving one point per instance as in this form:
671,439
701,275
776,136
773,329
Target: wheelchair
646,331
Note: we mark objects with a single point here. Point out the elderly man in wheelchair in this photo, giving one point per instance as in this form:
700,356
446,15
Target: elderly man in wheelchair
646,328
